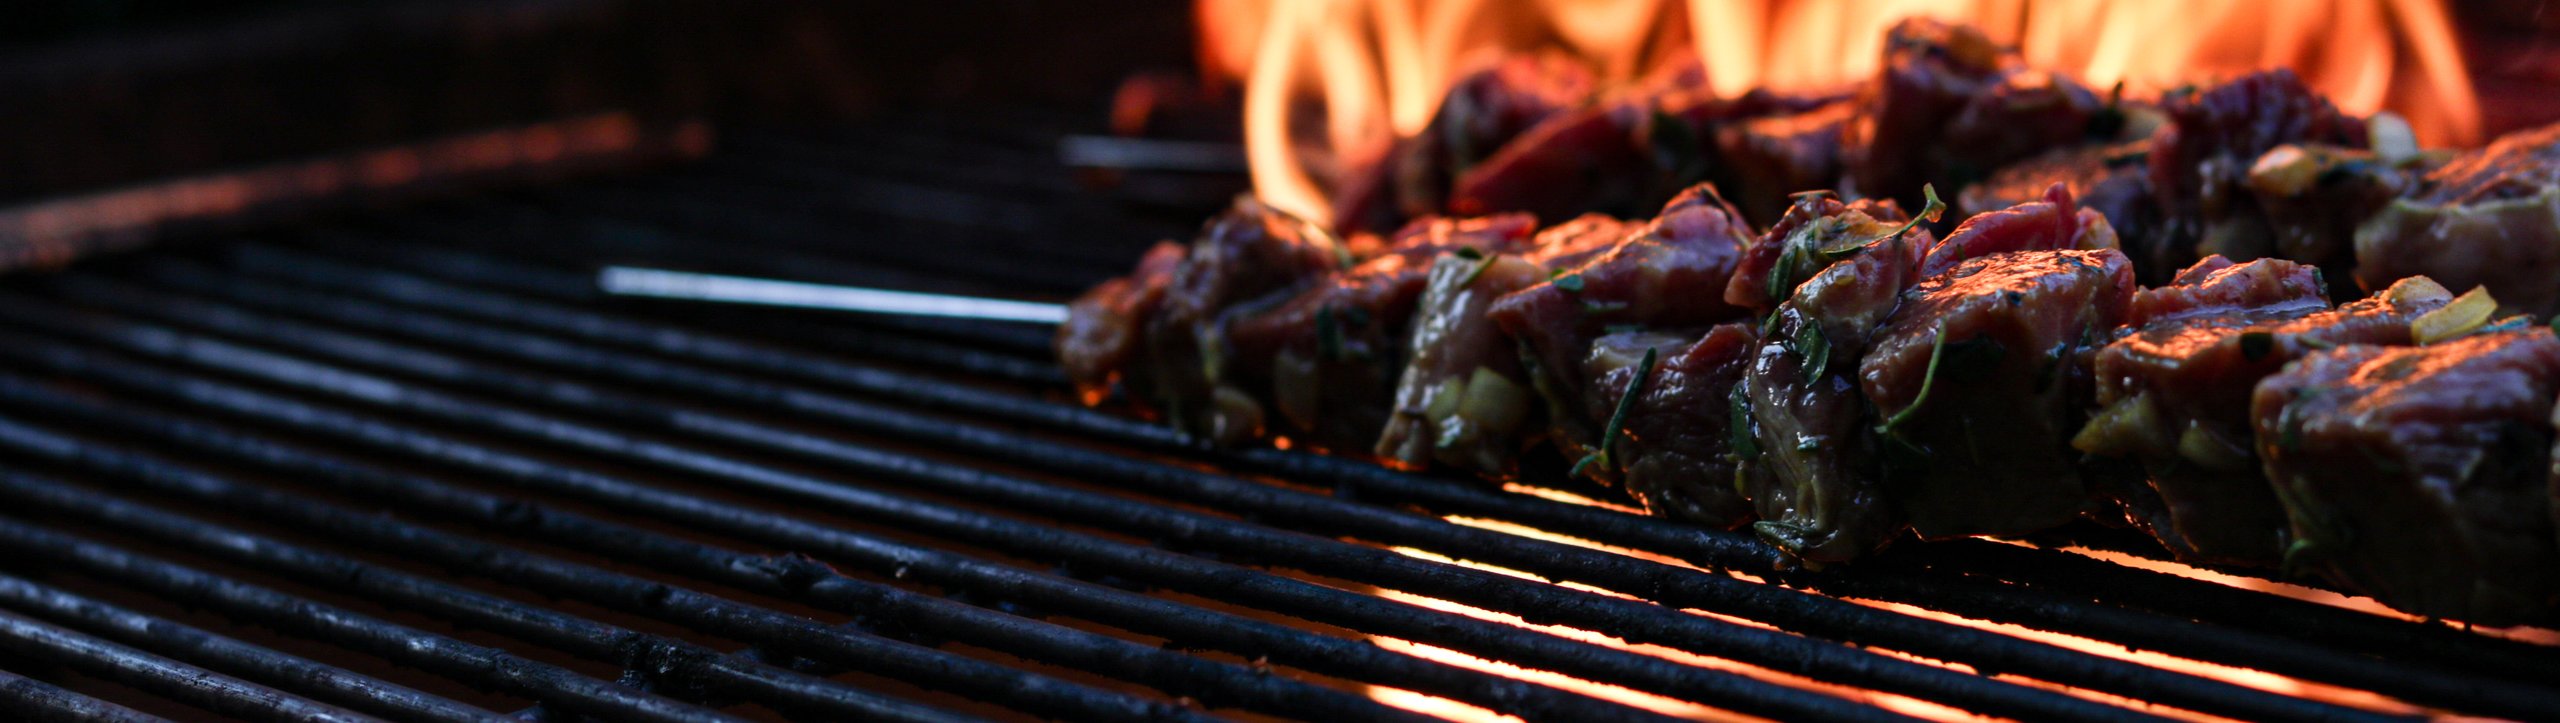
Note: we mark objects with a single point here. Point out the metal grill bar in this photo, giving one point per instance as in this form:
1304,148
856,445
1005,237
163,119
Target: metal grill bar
408,646
1099,603
213,691
35,698
324,683
1323,556
2148,630
659,657
469,343
2189,599
788,576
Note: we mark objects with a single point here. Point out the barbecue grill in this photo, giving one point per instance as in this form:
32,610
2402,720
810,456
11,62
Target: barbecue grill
411,464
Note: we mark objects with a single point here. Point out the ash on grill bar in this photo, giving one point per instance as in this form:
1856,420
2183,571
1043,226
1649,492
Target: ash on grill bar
1279,360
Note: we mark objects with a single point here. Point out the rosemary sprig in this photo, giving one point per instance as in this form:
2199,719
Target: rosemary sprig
1928,380
1618,419
1484,261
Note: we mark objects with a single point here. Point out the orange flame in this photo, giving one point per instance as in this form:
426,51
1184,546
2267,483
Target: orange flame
1370,70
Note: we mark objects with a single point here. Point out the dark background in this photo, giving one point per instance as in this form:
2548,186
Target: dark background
97,93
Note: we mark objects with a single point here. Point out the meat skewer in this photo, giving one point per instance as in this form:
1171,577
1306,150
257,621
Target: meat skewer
1847,373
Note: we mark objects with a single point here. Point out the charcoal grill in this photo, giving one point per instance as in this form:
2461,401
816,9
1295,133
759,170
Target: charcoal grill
411,465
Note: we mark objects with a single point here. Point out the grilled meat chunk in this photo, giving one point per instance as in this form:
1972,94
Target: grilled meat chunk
1976,375
1160,332
2490,217
2174,395
1765,159
1482,111
2420,475
1106,325
1804,451
1668,277
2050,223
1674,447
2200,161
1949,106
2111,180
1463,399
1328,356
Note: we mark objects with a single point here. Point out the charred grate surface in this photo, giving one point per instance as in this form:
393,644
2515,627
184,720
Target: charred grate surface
412,467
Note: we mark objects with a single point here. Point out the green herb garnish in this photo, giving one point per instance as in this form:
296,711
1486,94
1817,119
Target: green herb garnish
1483,262
1738,412
1603,307
1810,343
1469,253
1570,283
1928,381
1618,419
1930,212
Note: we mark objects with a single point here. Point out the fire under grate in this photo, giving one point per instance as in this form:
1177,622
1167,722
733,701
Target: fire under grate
412,466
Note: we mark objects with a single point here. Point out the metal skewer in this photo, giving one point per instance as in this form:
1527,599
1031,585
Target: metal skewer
691,286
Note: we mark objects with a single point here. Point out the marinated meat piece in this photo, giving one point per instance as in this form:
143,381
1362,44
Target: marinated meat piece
2200,162
1463,400
2315,196
1247,258
2023,114
1804,449
1675,446
1328,356
1816,231
1976,376
2174,396
1586,160
2108,179
1766,159
2047,224
1667,277
1104,326
1623,156
1482,111
2420,475
1931,71
2490,217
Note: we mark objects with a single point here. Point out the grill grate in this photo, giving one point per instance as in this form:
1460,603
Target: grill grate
414,468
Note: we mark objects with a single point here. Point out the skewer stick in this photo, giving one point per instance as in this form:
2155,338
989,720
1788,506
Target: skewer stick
690,286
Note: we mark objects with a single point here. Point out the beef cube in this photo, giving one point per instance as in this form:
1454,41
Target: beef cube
2050,223
2111,180
1931,70
1482,111
1249,255
1766,159
1674,451
1586,160
2174,396
1804,447
1671,276
1976,375
2490,217
2421,475
1463,400
2200,161
1104,326
1328,356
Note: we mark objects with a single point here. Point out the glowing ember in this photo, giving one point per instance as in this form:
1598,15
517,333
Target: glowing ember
1370,70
